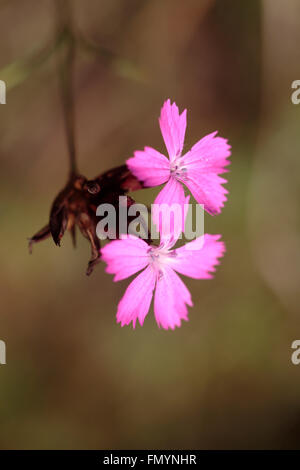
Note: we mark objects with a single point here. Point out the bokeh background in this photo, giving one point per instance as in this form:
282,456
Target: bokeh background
74,378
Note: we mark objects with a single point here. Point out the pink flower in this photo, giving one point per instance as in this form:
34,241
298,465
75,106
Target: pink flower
129,255
198,169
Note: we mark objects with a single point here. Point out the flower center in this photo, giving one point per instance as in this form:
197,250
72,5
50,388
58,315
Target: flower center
177,169
159,257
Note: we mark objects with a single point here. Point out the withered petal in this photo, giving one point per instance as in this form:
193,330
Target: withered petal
41,235
58,224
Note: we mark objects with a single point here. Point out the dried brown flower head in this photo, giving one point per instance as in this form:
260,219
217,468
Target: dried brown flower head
77,203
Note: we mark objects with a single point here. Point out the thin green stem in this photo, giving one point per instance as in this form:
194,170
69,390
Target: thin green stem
64,15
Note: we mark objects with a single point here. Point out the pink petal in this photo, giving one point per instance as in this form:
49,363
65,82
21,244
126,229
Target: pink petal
207,189
136,301
168,211
197,259
171,300
205,161
125,257
172,126
149,166
210,155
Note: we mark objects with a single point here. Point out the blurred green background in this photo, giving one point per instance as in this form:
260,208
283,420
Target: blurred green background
74,378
